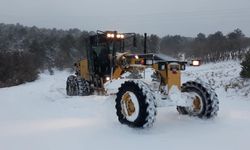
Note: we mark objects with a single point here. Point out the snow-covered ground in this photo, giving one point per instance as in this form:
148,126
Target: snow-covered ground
39,116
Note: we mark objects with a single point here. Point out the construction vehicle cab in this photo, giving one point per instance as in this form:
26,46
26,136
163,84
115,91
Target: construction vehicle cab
93,71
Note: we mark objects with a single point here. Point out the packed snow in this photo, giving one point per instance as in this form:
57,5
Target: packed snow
39,116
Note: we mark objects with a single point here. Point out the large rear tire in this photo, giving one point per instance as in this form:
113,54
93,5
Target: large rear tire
72,86
77,86
83,87
135,104
205,102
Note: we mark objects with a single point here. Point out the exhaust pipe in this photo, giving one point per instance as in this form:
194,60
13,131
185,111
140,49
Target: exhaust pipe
145,43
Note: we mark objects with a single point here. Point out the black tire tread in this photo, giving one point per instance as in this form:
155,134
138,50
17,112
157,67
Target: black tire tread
147,112
71,86
210,99
77,86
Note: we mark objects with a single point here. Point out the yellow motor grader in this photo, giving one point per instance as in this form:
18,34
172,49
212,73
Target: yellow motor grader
141,82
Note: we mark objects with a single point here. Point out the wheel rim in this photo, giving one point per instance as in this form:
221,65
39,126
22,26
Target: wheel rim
130,106
197,104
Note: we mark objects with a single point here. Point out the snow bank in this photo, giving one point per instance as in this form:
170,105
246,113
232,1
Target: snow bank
40,116
223,76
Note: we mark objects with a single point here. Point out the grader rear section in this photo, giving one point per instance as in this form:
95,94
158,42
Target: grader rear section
98,67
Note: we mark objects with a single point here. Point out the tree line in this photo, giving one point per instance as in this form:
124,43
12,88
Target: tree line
211,48
26,51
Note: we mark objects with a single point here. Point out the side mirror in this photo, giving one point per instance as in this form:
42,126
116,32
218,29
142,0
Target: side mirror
92,41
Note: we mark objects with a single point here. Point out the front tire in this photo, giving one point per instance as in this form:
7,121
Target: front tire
205,100
135,104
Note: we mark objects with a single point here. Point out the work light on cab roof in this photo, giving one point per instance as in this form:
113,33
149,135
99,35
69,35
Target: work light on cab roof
117,35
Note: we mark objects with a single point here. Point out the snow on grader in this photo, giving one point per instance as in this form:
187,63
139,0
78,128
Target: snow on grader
141,82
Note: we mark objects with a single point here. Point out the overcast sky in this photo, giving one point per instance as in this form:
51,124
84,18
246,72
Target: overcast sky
161,17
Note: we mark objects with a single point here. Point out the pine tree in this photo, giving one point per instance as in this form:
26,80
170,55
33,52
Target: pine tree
245,65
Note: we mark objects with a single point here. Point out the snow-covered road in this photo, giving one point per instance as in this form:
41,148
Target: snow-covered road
39,116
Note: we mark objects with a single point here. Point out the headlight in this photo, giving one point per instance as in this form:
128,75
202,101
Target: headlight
120,36
195,63
107,78
110,35
136,57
